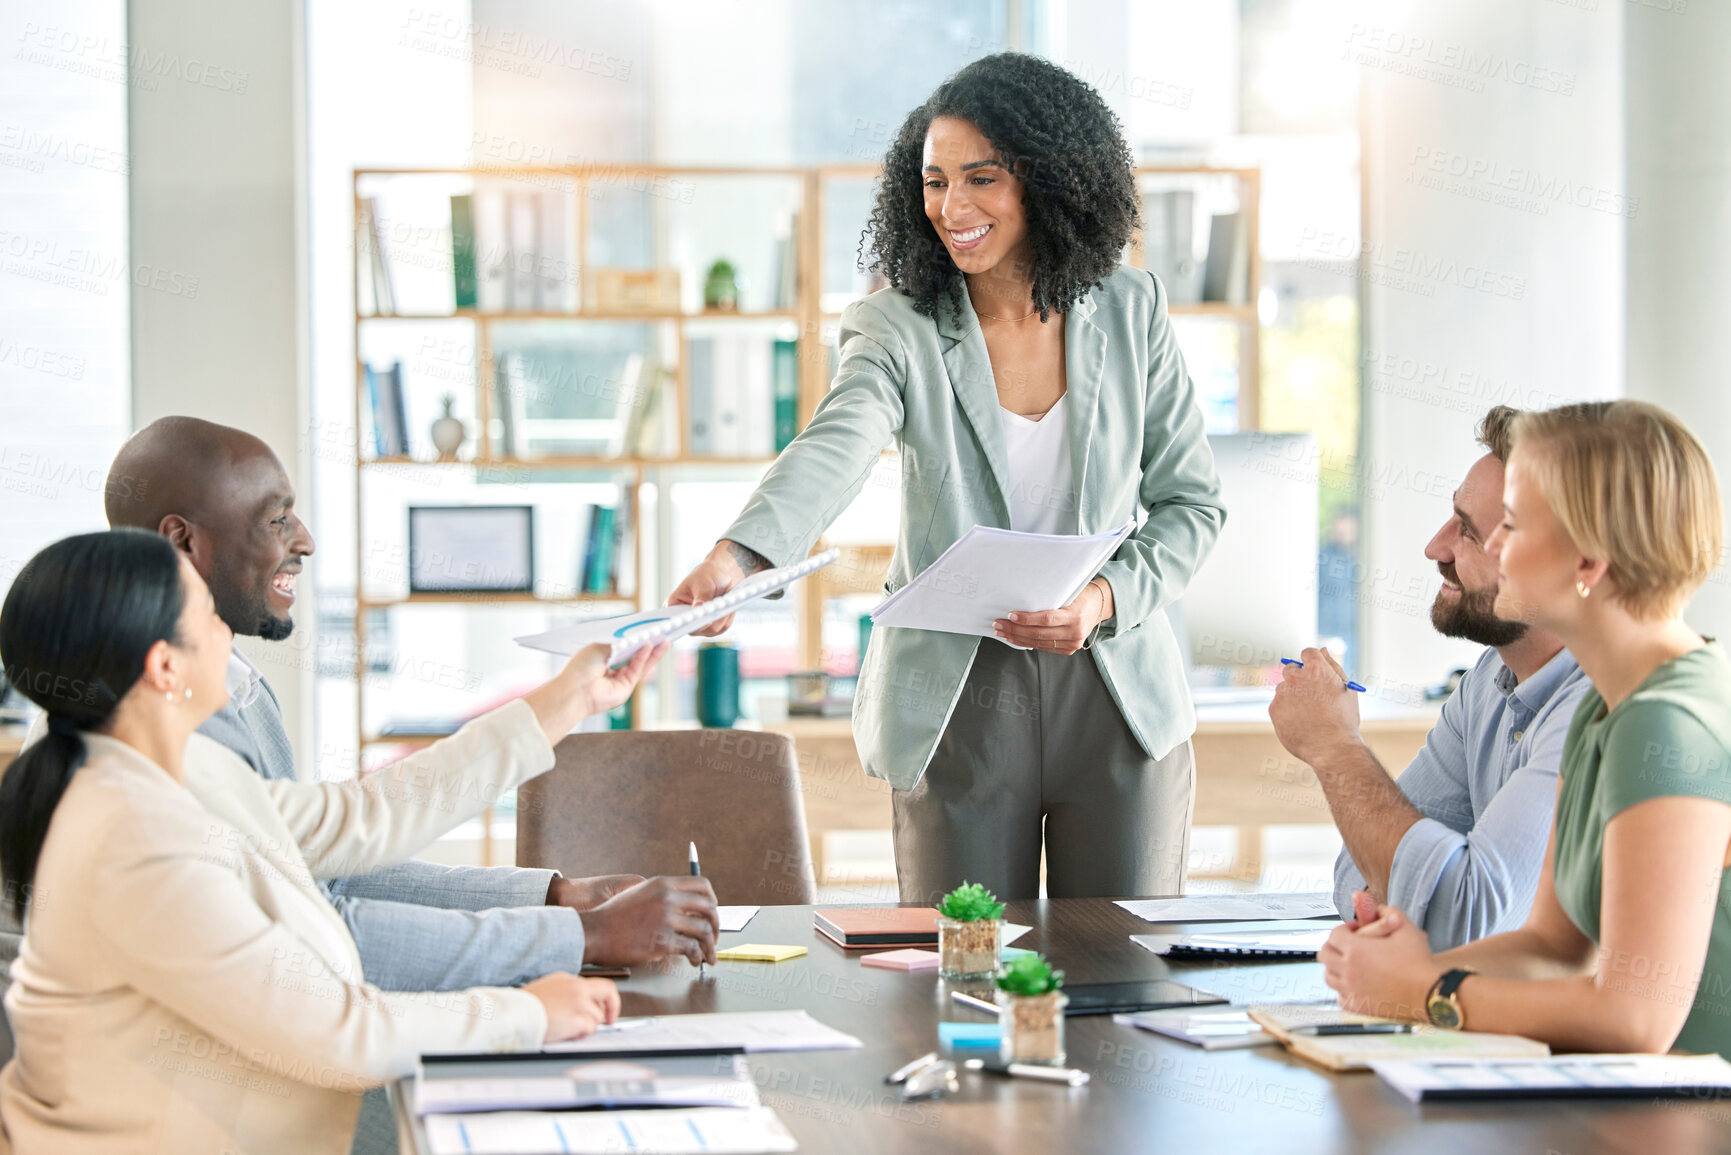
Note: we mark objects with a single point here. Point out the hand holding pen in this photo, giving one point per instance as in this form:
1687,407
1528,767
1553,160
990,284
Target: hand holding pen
1314,716
1350,684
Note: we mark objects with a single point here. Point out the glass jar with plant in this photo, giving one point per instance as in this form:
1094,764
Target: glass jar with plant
1032,1018
970,933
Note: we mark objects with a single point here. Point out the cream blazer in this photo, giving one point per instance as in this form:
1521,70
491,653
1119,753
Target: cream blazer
185,988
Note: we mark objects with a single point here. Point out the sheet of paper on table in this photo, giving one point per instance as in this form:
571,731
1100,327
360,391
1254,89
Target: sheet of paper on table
1233,907
1560,1076
1238,943
753,1030
709,1130
735,917
631,632
989,573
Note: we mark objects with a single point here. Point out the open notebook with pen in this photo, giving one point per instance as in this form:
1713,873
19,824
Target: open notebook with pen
631,632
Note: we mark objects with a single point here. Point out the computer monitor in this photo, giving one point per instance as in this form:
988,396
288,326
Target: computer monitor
1253,601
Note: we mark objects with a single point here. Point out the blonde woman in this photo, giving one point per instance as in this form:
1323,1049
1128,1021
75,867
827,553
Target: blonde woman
1612,520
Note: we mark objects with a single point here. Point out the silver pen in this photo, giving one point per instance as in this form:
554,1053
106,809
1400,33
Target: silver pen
978,1004
1067,1075
900,1074
696,871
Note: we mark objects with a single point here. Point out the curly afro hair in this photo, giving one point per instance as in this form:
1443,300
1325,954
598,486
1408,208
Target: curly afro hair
1054,132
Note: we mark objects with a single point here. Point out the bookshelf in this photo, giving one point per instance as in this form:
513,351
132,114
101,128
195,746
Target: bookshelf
805,312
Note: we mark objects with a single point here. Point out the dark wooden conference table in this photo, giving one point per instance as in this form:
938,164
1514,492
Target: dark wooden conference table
1148,1092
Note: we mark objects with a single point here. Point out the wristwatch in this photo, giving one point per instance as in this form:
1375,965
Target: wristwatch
1442,1005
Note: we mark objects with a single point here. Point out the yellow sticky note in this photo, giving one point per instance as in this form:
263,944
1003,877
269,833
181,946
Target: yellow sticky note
759,952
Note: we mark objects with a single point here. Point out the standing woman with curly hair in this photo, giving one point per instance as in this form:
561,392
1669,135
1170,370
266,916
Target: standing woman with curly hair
1031,383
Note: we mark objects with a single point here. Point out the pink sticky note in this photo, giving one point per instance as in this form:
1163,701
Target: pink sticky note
903,960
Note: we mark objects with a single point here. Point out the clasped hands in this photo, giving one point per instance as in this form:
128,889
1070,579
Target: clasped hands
1379,963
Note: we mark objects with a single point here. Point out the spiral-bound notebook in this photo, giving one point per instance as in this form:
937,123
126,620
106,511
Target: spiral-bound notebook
631,632
1265,944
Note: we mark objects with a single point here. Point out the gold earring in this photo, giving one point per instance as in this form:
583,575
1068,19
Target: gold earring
1583,588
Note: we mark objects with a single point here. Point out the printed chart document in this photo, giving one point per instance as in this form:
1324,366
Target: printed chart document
1233,907
539,1082
752,1030
631,632
989,573
1562,1076
709,1130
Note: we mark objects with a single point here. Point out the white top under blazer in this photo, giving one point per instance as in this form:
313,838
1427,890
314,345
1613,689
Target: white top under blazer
1042,489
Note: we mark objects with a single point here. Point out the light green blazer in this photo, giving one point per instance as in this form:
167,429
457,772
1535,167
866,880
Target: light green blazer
1137,448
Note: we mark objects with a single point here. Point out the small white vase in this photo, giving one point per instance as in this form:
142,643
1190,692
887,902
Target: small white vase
448,433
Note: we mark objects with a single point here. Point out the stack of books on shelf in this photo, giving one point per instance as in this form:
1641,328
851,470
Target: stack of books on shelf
744,395
575,402
522,242
605,547
388,410
511,250
1169,250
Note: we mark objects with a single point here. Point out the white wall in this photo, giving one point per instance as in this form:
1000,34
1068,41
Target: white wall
1679,154
64,284
1475,293
215,108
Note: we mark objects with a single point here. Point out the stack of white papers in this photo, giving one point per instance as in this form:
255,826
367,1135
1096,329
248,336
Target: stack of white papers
1297,944
990,573
1560,1076
631,632
1233,907
706,1130
752,1030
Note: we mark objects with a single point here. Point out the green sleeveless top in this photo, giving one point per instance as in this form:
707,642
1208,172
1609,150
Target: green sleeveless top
1672,736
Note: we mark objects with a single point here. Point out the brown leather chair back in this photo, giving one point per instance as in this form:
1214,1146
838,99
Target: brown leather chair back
632,801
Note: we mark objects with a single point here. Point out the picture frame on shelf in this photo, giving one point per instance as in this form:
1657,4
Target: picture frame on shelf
471,549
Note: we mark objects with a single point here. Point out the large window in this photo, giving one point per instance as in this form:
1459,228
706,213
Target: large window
499,83
65,283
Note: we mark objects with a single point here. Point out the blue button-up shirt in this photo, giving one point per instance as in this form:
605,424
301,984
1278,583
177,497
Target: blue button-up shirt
1486,783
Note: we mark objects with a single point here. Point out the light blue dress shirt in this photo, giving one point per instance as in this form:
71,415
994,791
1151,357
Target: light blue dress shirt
1486,783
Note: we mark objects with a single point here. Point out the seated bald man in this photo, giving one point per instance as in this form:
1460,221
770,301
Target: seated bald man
222,497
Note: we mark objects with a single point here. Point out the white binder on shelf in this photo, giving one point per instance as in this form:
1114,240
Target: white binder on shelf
632,632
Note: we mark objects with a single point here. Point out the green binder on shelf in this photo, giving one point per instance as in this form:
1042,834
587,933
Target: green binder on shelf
598,570
784,383
463,251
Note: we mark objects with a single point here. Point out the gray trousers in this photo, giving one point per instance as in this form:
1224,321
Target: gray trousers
1037,747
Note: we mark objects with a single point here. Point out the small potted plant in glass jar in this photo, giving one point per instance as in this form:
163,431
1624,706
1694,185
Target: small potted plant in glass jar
1032,1018
970,932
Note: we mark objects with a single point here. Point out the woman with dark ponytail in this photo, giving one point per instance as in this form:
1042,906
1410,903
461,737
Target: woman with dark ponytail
183,985
79,621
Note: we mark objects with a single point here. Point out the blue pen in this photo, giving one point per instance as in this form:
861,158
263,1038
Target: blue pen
1300,665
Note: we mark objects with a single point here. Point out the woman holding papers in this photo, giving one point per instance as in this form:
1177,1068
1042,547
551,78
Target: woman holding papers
183,985
1612,520
1031,383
